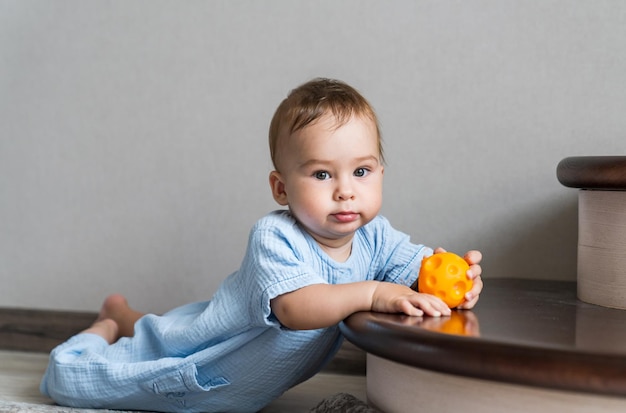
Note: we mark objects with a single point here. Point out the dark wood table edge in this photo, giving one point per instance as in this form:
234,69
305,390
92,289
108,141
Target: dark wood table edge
538,366
593,172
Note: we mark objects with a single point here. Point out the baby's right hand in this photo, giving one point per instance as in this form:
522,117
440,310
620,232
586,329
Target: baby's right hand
396,298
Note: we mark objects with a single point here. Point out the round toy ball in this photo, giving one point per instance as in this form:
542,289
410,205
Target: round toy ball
445,275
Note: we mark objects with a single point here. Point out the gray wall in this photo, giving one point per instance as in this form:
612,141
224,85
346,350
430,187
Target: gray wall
133,154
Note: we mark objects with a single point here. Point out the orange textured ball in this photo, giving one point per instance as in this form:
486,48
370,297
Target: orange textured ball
445,275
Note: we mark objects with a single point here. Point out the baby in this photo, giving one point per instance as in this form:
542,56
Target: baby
274,322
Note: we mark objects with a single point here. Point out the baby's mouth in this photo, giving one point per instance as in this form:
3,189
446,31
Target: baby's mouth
347,216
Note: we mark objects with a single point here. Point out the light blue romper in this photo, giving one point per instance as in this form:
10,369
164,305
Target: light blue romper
229,354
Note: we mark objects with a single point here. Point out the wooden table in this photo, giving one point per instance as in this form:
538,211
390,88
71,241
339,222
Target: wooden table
528,345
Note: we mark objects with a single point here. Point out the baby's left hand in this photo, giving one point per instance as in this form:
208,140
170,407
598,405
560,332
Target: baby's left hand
473,258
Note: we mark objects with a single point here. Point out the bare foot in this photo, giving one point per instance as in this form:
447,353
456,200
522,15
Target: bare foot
113,306
116,319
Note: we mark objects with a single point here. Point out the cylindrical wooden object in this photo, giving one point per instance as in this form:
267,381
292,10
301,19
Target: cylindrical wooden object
601,226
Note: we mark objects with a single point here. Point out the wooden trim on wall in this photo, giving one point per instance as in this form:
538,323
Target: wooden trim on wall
39,330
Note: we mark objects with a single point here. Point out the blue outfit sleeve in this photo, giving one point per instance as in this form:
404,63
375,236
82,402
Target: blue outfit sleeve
278,261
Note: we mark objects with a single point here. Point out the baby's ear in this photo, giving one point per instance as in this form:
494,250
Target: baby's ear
278,188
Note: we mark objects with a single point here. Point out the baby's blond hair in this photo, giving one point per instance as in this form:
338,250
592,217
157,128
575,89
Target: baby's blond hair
312,100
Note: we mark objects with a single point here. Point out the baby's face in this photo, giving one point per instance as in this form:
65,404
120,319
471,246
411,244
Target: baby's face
332,177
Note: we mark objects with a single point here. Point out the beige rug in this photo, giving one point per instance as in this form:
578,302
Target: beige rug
341,402
18,407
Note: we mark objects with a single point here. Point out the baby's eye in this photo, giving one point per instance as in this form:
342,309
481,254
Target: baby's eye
361,172
321,175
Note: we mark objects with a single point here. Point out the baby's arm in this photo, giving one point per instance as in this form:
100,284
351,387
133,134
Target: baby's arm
324,305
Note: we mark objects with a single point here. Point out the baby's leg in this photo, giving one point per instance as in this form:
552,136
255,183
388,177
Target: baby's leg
79,373
116,319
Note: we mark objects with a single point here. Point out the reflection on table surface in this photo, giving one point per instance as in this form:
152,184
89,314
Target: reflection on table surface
460,323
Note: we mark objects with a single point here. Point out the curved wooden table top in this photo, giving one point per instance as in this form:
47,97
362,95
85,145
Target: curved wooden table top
593,172
522,331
